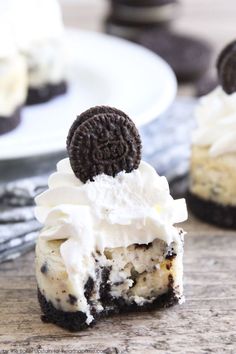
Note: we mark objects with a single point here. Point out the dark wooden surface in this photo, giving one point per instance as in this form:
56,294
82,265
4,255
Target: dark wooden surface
206,323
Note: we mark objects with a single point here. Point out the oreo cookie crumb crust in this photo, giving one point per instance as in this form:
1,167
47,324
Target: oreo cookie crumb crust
76,321
10,123
45,93
103,140
226,66
211,212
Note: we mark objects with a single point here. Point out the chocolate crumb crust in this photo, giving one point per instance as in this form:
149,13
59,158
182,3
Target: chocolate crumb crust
10,123
45,93
44,268
76,321
212,212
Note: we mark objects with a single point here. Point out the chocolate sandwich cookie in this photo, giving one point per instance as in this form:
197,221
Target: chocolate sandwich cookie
45,93
226,66
9,123
189,57
103,140
143,12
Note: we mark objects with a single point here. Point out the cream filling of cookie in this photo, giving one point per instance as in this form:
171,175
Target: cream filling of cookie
138,273
146,13
213,178
47,63
13,84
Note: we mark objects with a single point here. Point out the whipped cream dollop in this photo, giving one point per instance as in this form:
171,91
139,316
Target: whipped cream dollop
35,29
216,117
109,212
32,20
8,46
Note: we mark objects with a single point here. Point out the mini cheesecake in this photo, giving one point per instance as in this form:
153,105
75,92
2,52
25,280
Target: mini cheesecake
212,189
46,70
13,79
212,194
109,243
39,32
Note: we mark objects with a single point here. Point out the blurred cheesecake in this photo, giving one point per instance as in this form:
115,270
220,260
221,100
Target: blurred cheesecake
109,242
39,32
13,79
212,194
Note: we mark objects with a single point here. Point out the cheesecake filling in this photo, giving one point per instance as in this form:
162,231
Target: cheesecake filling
135,274
47,63
106,214
213,178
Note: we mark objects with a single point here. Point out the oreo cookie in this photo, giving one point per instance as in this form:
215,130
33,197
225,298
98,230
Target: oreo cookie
188,57
143,12
226,66
103,140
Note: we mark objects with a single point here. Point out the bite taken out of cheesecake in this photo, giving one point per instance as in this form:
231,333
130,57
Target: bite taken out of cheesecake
212,192
109,243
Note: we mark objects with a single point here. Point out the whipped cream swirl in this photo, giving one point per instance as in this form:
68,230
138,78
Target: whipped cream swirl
216,116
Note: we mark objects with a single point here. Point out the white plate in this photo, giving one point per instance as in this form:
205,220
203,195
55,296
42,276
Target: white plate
108,71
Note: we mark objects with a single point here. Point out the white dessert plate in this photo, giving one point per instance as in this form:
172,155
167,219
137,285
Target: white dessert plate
106,71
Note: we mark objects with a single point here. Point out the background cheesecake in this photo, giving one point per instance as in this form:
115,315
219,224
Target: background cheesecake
13,79
39,32
213,163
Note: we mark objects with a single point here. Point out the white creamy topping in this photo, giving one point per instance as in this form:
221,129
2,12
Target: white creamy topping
110,212
35,28
8,47
216,116
33,20
29,21
13,84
